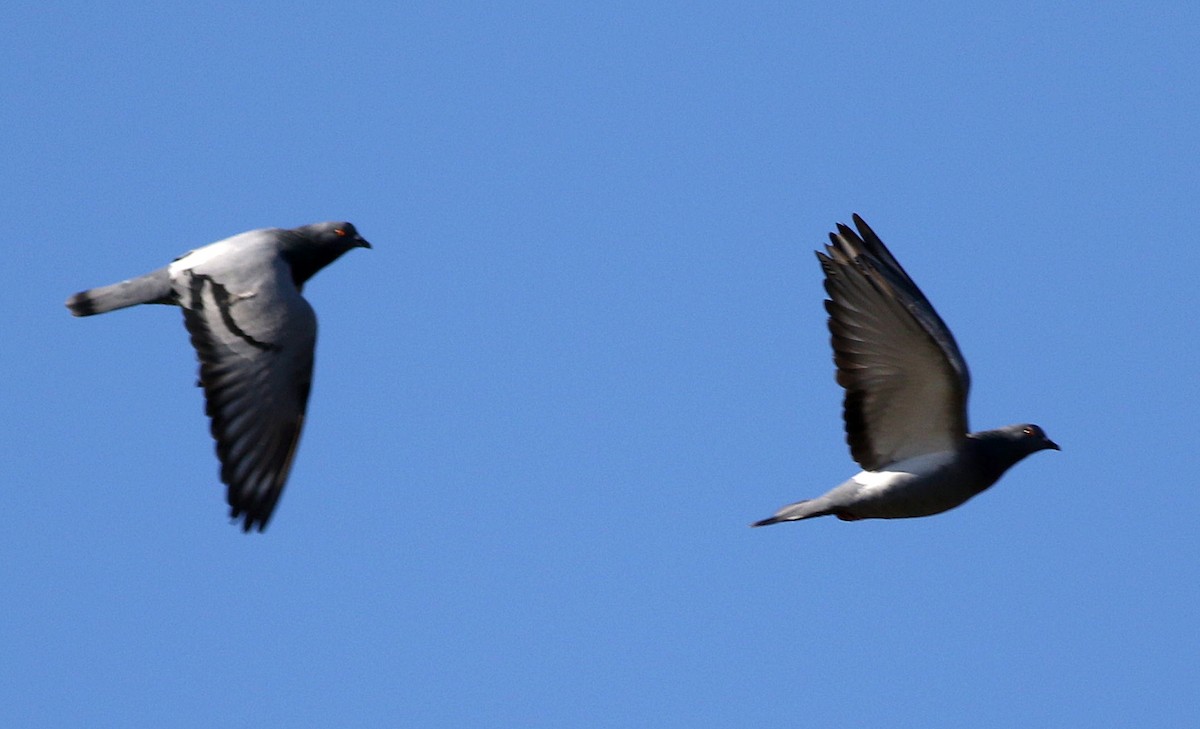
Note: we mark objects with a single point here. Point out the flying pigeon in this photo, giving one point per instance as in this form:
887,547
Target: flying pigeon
254,335
906,386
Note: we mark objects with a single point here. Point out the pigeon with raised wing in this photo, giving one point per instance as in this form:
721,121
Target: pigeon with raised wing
905,406
254,334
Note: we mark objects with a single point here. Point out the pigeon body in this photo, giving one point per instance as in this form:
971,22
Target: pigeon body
905,407
254,335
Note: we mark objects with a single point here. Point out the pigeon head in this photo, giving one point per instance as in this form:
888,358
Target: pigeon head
1002,448
1022,439
310,248
1035,438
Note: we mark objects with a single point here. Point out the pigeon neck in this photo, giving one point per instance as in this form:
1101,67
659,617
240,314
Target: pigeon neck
305,261
993,456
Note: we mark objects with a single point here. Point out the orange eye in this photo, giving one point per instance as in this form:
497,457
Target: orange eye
339,231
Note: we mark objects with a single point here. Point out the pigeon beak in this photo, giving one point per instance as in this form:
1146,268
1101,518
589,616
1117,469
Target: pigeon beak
1049,444
361,242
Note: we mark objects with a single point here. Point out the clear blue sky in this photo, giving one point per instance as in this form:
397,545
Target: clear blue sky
587,350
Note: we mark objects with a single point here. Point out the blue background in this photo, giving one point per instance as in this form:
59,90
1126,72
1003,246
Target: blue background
587,350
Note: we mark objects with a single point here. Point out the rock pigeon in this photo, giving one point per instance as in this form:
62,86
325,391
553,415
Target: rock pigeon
906,385
254,335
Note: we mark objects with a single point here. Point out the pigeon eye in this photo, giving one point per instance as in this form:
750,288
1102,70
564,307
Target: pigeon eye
1028,430
339,231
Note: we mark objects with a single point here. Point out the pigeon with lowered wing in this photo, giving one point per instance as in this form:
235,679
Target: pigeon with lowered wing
906,386
254,335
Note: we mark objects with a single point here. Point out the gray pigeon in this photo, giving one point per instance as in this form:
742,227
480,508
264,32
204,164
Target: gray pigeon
254,334
906,395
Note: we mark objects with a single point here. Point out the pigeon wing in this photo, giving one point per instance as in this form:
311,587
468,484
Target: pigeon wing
906,381
255,336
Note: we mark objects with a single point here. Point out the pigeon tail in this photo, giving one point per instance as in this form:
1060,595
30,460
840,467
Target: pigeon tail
767,522
795,512
153,288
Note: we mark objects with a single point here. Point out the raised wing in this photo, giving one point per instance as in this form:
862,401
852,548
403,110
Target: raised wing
254,334
906,381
